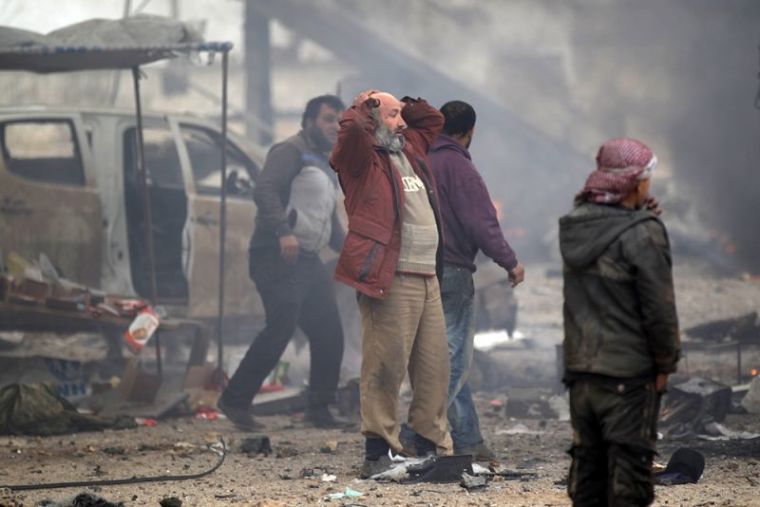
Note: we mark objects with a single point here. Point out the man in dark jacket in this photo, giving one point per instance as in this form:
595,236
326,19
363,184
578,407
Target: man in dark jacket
296,195
621,329
471,224
391,256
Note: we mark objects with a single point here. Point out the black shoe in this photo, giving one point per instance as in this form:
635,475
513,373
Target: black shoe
321,417
424,447
372,467
240,417
406,437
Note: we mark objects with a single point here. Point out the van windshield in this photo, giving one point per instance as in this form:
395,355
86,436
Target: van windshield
203,147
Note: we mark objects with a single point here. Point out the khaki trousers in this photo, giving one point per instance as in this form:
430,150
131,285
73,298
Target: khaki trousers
405,332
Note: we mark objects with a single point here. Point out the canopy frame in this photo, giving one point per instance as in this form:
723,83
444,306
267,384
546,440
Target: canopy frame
44,59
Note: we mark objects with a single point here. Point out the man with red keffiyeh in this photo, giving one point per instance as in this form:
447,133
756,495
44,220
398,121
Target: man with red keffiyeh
621,329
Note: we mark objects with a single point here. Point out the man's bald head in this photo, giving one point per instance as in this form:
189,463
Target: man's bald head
387,113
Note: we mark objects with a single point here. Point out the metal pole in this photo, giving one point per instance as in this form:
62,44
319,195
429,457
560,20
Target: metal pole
142,171
258,68
174,9
222,217
738,363
116,75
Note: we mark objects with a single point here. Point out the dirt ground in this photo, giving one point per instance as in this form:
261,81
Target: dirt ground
178,446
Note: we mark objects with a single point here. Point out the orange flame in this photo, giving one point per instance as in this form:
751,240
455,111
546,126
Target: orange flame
499,209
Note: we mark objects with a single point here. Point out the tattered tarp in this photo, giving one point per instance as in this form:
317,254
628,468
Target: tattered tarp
100,44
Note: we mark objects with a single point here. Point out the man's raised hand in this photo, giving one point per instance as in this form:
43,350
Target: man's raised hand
366,96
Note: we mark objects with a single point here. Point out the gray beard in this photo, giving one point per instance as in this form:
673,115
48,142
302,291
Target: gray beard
389,140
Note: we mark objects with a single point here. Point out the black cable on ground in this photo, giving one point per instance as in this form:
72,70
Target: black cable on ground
131,480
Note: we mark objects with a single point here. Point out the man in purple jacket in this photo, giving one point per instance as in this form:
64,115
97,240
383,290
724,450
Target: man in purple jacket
470,222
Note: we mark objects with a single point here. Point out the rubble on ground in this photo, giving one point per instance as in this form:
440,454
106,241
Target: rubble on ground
524,423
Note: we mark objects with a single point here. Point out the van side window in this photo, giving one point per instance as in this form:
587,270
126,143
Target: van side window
203,147
42,150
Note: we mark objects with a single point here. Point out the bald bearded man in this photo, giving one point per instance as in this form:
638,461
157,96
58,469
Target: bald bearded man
392,257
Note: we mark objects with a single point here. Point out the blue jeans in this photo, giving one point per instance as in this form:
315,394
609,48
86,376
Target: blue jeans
457,294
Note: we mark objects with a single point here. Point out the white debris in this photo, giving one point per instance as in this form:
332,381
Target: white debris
560,406
719,432
488,340
480,470
751,401
398,472
519,429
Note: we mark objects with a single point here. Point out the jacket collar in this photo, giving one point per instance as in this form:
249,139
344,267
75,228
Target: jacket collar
444,142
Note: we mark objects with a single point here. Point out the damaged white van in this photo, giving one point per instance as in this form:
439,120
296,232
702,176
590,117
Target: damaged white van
69,188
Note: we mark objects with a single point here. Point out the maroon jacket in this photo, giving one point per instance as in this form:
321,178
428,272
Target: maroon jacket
374,200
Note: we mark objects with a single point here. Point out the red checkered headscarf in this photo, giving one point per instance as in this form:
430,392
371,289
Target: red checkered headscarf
620,165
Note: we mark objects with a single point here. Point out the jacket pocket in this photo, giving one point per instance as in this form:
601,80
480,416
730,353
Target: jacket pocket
364,250
369,262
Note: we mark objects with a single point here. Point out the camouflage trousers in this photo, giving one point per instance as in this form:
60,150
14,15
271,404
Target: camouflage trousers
614,434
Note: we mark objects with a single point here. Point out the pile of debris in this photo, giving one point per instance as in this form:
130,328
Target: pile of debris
744,329
738,335
698,406
37,285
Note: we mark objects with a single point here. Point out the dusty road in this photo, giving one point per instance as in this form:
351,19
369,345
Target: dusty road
731,478
177,446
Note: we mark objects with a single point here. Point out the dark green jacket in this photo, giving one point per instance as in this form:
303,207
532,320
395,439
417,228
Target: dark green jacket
619,311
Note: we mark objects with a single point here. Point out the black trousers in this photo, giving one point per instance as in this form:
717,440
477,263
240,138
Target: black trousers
300,294
614,436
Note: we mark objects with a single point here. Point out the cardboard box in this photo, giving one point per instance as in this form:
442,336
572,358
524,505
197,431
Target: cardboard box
137,384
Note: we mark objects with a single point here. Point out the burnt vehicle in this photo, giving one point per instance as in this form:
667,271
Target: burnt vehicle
495,300
133,204
70,189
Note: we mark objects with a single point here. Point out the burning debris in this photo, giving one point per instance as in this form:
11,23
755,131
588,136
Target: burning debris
706,344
